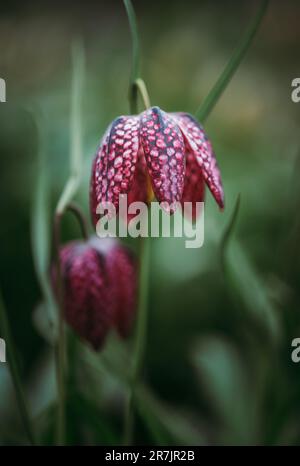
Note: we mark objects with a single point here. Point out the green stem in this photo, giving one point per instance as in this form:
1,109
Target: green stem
135,70
77,212
61,353
60,349
75,128
14,369
143,308
228,232
40,224
140,340
231,67
66,197
142,89
137,85
133,102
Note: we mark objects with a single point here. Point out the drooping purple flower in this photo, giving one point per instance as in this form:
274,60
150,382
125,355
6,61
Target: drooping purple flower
99,279
171,149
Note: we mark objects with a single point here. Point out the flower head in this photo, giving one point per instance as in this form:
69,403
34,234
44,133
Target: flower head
171,149
99,278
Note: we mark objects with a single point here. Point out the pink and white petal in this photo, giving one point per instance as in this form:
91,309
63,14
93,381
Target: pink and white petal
139,188
194,186
199,143
164,149
139,191
114,164
89,308
124,279
98,183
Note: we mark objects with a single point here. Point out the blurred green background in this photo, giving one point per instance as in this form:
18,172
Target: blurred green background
218,364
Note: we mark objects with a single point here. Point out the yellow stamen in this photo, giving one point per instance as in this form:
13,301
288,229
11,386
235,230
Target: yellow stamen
150,193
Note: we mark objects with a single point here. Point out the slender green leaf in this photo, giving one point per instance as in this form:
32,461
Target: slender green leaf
158,415
78,71
243,281
40,229
224,377
164,423
70,189
135,41
233,64
15,373
229,230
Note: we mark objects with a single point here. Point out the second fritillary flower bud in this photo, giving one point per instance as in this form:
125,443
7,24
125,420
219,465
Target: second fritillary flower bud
99,280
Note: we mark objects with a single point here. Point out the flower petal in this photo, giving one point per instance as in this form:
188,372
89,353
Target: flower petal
163,146
194,187
124,278
114,164
139,190
200,145
121,272
88,303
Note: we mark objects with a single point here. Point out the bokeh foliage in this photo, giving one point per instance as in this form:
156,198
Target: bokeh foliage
218,366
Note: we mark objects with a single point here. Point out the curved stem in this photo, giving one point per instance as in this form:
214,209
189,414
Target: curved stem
15,373
60,349
135,40
73,182
76,210
140,340
228,232
142,89
231,67
137,85
66,197
143,308
40,223
135,68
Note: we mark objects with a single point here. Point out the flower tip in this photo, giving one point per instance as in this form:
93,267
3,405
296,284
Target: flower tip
155,109
221,204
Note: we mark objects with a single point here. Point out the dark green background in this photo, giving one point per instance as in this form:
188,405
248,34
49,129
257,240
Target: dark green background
219,351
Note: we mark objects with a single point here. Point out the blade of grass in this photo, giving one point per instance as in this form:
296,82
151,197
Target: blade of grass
246,286
66,197
78,65
14,370
135,69
40,227
136,85
162,418
140,340
232,65
224,377
163,423
228,232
